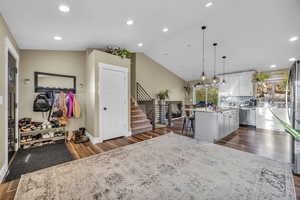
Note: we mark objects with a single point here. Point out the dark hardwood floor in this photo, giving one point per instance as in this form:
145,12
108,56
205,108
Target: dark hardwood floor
274,145
270,144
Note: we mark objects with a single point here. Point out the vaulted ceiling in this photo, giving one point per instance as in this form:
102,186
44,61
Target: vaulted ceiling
253,34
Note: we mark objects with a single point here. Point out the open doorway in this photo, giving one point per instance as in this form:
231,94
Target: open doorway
11,105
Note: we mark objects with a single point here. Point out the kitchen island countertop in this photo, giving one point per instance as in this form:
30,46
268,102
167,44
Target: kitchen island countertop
208,110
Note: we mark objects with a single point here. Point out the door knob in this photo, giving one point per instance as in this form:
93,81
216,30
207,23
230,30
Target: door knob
104,108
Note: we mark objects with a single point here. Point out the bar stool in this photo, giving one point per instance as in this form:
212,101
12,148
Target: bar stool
188,124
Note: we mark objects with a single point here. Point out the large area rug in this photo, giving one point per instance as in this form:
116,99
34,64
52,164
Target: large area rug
166,167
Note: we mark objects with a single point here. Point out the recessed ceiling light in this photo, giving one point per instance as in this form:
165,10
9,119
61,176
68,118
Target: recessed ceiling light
293,39
140,44
165,30
64,8
273,66
129,22
292,59
57,38
209,4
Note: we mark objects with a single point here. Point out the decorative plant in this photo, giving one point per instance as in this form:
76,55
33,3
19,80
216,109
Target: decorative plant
123,53
187,89
260,77
162,95
288,127
285,78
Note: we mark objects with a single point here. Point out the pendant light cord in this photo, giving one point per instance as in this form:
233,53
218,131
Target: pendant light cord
203,48
215,58
224,57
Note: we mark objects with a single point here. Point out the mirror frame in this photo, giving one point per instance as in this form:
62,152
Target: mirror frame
48,89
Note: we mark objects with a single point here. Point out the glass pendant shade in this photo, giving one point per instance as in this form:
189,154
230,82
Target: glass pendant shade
215,79
203,77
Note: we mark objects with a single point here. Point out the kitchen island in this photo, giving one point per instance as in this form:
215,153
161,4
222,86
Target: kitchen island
213,125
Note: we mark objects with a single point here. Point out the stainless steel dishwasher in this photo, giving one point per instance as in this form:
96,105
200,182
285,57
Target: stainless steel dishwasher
248,116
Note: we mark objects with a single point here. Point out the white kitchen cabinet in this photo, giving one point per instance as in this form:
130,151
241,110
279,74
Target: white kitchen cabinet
213,126
225,128
221,122
228,122
232,86
237,84
266,120
236,120
246,84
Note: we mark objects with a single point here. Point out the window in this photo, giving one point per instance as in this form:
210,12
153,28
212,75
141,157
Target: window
206,96
200,95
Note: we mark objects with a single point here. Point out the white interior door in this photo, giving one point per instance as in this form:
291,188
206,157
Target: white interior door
113,101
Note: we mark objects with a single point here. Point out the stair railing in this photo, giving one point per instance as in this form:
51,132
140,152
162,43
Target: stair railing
143,97
142,94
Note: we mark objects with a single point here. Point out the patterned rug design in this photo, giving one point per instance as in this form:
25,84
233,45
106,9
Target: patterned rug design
167,167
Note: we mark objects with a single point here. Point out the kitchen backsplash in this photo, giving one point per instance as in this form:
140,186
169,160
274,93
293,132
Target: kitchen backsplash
249,101
237,101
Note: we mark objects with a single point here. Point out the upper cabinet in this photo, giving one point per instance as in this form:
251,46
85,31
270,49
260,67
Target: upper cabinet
237,84
246,84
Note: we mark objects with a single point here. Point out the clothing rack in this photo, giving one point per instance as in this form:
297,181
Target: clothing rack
50,95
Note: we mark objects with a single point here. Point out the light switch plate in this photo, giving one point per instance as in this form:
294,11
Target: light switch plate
1,100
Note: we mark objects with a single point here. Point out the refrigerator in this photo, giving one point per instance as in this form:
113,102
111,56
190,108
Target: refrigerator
293,110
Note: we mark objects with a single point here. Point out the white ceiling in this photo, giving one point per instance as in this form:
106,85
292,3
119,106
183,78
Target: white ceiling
253,33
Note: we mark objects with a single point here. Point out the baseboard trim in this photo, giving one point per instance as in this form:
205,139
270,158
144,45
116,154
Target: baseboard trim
129,133
93,139
3,172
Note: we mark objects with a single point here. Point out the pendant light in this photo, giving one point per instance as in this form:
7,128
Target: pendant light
203,77
215,78
224,64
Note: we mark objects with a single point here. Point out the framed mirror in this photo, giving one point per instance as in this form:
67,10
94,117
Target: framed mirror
46,82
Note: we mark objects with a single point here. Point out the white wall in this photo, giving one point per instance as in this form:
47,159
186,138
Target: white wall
57,62
155,78
94,57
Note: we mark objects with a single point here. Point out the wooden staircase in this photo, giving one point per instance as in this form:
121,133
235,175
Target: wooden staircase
139,121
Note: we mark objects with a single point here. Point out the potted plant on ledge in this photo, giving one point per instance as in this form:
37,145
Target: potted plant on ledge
162,96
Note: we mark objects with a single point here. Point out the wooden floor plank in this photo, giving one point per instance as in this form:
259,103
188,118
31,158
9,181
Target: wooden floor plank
72,150
133,140
95,148
274,145
141,137
103,147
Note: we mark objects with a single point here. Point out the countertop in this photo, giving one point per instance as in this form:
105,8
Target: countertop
208,110
247,108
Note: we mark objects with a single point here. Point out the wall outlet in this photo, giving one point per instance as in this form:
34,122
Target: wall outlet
1,100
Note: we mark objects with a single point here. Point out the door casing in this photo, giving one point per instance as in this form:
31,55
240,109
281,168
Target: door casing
103,66
9,48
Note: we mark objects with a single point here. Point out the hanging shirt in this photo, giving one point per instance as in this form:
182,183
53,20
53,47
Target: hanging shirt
70,104
76,107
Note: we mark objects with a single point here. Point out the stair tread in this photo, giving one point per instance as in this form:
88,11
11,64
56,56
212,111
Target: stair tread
135,109
142,127
134,106
141,120
138,112
139,115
